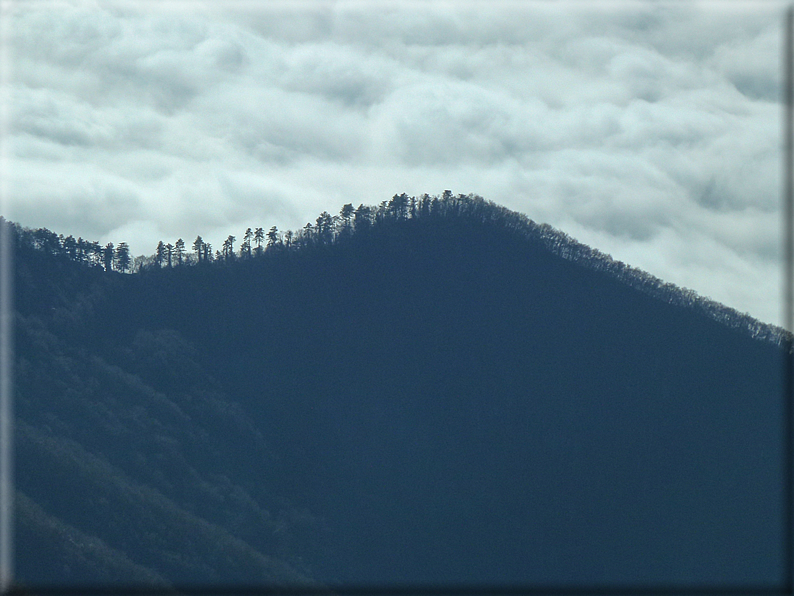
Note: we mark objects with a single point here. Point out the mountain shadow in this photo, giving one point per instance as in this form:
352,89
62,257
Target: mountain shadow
441,392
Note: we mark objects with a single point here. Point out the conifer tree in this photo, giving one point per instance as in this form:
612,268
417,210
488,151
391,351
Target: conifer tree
347,214
363,217
159,254
259,238
228,247
107,256
325,227
198,245
398,206
179,250
272,237
123,257
245,248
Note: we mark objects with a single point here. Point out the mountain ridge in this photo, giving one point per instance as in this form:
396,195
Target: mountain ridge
435,397
331,229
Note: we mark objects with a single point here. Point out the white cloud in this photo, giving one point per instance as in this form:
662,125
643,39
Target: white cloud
647,129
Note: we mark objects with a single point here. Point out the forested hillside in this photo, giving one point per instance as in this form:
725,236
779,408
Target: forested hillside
435,390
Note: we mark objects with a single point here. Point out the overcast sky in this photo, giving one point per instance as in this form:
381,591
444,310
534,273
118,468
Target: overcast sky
649,130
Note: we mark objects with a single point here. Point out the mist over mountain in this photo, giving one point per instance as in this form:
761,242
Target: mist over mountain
432,391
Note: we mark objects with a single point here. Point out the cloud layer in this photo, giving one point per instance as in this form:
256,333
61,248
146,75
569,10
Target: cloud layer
649,130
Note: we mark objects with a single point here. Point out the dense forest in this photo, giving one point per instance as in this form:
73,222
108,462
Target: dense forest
435,390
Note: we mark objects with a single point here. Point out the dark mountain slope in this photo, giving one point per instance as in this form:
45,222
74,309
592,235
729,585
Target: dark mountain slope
139,471
126,473
453,398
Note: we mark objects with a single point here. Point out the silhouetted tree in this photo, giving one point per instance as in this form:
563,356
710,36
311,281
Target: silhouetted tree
324,229
159,254
272,237
363,217
307,234
424,205
169,253
245,248
123,257
198,245
228,247
259,238
179,250
107,256
381,211
347,215
398,206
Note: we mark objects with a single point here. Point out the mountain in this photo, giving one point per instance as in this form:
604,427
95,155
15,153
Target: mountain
434,391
